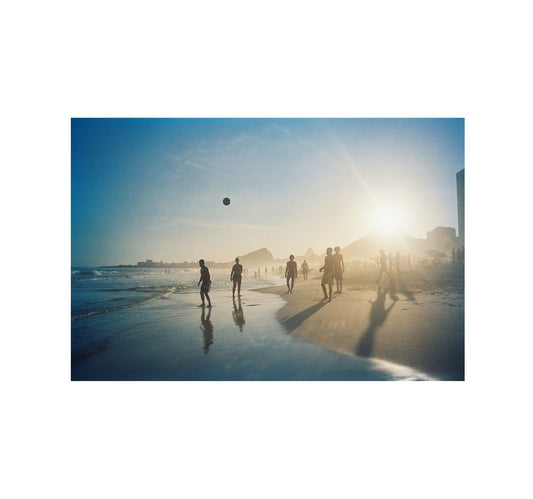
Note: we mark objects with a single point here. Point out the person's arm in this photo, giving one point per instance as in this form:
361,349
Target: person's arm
342,263
286,269
231,274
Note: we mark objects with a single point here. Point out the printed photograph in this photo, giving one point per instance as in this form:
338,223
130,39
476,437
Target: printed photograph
275,249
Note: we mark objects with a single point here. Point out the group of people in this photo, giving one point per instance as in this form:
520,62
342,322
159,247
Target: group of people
333,269
387,263
205,280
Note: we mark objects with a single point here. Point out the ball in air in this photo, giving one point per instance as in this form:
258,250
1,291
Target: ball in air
226,201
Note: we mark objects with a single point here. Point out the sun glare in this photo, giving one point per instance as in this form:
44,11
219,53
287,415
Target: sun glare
388,220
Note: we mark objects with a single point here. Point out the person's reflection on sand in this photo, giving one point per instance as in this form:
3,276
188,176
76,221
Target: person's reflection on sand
207,328
238,314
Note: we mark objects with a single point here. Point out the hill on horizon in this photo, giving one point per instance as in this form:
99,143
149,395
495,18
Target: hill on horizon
368,246
260,258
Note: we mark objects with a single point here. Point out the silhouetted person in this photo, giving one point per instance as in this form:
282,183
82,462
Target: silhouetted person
397,262
339,268
291,272
382,262
329,273
238,314
305,270
207,328
236,276
205,279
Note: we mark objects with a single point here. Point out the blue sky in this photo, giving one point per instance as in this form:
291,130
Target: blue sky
153,188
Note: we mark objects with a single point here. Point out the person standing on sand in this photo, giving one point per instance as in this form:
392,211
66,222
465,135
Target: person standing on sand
397,262
329,273
305,270
382,262
291,273
205,279
236,277
339,268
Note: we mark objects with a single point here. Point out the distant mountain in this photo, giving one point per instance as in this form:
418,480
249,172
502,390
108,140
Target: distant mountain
259,258
310,256
368,246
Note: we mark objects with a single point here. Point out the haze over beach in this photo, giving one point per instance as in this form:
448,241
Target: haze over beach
147,205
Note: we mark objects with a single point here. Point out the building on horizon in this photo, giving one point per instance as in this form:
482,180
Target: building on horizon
442,239
460,178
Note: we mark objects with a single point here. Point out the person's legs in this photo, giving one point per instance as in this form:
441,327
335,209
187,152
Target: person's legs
234,284
208,299
324,289
330,291
202,297
239,287
292,282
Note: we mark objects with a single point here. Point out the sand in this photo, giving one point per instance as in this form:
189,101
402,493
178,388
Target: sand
418,321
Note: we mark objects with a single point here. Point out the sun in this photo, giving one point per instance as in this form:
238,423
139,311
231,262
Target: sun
388,219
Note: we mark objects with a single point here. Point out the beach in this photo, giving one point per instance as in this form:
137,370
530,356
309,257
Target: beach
418,321
146,324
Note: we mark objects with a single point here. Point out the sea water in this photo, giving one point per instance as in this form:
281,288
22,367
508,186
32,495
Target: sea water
146,324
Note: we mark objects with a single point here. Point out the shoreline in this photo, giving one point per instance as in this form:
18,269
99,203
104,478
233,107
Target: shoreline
416,322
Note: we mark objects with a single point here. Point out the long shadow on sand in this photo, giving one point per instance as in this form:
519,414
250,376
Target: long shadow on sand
293,322
401,288
378,315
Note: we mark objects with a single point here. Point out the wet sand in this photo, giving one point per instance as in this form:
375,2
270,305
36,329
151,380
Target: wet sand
418,321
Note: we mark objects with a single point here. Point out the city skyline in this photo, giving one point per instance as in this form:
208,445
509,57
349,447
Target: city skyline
153,188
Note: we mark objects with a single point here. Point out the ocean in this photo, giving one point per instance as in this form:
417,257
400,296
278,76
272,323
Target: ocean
146,324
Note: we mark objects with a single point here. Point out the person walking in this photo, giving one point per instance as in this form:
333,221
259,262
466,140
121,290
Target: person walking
329,273
236,277
205,280
397,262
291,273
339,268
305,270
383,267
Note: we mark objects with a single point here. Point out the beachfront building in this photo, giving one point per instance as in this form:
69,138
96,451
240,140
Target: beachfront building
460,178
441,239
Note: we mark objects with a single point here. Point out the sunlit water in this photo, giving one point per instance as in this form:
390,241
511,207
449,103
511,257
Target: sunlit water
145,324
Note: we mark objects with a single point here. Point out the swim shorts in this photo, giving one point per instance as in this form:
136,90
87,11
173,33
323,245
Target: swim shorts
328,278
